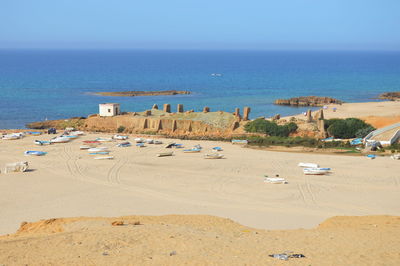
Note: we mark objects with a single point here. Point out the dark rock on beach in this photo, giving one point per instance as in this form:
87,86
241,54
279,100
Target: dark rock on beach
392,96
308,101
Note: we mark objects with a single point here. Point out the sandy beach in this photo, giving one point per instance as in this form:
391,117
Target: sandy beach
379,114
68,182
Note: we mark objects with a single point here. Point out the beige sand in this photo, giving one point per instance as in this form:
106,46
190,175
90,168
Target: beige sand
200,240
379,114
68,182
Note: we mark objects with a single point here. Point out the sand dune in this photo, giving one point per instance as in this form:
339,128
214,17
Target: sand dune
200,240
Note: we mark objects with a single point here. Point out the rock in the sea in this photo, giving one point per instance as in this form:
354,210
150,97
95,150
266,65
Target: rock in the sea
392,96
308,101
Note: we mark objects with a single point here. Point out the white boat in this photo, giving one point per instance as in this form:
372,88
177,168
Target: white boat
97,149
11,137
120,137
104,139
42,142
213,156
158,142
77,133
104,158
85,147
60,140
395,156
316,171
193,150
35,153
139,140
149,141
308,165
275,180
164,154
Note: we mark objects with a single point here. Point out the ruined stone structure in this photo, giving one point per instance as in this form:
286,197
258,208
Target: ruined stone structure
155,106
167,108
309,117
179,108
246,113
206,109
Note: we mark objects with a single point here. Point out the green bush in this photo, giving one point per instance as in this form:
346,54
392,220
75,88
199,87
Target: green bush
121,129
261,125
348,128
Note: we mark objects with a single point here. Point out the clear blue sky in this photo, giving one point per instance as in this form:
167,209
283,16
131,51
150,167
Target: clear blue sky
201,24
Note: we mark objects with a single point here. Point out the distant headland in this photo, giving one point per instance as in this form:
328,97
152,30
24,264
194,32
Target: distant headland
308,101
141,93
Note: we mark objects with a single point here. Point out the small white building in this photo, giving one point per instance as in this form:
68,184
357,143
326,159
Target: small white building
109,109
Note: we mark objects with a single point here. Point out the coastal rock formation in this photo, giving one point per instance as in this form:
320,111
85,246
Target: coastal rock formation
308,101
392,96
141,93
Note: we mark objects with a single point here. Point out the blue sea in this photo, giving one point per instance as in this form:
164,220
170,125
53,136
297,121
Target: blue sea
54,84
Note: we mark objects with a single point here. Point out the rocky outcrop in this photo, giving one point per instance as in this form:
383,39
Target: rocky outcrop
392,96
141,93
308,101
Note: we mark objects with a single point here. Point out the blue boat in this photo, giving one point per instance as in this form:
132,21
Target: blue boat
217,149
42,142
140,145
193,150
35,153
33,133
357,141
124,144
371,156
99,152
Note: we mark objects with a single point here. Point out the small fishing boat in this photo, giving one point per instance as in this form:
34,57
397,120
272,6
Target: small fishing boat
140,145
395,156
198,146
35,153
213,156
239,141
164,154
149,141
308,165
357,141
371,156
91,141
158,142
60,140
139,140
36,133
124,144
105,139
99,153
104,158
178,146
120,137
42,142
85,147
275,180
170,145
192,150
77,133
316,171
11,137
97,149
71,136
217,149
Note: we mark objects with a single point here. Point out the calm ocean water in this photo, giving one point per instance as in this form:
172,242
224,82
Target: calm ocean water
36,85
